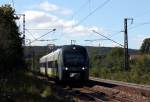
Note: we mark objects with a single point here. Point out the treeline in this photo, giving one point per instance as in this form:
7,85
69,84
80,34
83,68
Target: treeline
111,65
11,50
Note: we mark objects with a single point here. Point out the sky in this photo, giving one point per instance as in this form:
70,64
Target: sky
76,20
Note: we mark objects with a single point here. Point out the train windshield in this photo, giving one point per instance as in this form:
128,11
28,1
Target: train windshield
74,59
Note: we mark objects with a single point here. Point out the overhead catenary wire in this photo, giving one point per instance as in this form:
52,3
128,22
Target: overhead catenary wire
116,33
92,12
95,40
142,14
138,25
107,38
38,29
48,40
42,36
30,34
82,6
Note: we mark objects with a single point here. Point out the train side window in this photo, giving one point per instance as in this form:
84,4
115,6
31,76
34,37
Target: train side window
53,64
44,64
41,65
49,64
56,64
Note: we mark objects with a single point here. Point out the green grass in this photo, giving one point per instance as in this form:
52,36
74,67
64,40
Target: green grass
23,86
132,76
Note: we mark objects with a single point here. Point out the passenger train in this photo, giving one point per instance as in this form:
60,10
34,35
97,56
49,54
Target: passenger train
70,62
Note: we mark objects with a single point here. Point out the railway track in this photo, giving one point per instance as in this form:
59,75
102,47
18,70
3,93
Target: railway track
137,91
102,91
98,95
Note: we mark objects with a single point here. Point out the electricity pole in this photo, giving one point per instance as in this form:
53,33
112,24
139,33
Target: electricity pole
126,53
23,25
24,29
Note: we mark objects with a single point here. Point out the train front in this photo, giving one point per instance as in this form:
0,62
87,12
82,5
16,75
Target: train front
76,63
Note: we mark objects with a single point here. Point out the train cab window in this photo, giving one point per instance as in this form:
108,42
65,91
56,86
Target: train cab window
74,59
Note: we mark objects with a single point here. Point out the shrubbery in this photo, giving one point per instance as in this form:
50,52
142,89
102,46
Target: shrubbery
111,66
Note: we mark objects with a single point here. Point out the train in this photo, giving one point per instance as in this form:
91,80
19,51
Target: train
70,62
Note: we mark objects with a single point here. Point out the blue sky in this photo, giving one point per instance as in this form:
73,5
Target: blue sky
65,16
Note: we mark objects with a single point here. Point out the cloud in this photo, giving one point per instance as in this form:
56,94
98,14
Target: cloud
41,19
48,15
49,7
66,12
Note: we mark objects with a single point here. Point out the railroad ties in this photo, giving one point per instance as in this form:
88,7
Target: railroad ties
99,91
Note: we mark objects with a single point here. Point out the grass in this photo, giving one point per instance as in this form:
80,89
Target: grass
131,76
22,86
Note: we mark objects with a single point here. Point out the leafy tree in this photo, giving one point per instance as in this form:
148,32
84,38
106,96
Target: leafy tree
145,48
114,59
11,50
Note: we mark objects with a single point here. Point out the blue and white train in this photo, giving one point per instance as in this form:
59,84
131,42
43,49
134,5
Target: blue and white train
70,62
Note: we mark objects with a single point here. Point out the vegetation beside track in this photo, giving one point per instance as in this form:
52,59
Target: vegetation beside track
111,67
23,86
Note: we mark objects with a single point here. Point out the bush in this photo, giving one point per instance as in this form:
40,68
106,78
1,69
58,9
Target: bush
112,67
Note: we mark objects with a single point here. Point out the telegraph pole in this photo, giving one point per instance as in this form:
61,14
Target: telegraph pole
24,29
126,53
23,26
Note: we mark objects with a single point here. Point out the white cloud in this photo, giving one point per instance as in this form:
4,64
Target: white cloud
47,6
66,12
38,16
42,16
41,19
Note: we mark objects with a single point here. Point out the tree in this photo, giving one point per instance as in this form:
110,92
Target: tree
114,59
145,47
11,50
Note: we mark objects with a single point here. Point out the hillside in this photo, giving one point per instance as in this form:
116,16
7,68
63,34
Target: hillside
42,50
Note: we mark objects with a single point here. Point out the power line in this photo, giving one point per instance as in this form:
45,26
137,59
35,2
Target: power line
138,25
43,35
83,5
141,15
28,30
95,40
116,33
48,40
38,29
30,33
99,7
107,38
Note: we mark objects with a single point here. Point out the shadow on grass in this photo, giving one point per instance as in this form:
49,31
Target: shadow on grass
22,86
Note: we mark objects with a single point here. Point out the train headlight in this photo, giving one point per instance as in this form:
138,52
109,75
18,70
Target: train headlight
66,68
83,68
